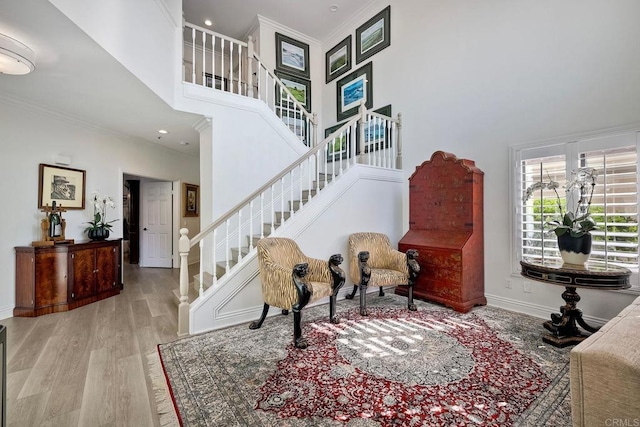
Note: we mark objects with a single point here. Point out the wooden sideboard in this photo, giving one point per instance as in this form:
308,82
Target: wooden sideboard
446,227
57,278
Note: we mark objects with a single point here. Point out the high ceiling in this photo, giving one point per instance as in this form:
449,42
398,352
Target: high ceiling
76,80
235,17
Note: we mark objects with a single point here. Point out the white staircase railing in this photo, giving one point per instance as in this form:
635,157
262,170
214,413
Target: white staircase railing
222,63
368,138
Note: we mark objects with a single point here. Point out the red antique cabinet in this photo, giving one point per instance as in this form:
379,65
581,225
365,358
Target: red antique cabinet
446,227
51,279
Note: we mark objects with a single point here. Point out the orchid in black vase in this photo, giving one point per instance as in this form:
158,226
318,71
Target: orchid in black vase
579,193
99,227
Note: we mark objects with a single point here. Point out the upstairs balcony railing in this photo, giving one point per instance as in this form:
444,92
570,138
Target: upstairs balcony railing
222,63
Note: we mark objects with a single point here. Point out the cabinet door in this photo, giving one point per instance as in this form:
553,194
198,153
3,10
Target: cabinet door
82,267
51,278
106,268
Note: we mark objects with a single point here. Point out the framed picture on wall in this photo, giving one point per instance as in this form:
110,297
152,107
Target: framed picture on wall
292,56
300,89
190,200
377,134
339,148
374,35
65,186
218,80
338,59
352,89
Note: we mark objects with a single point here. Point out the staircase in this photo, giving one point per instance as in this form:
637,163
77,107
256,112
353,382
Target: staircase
227,246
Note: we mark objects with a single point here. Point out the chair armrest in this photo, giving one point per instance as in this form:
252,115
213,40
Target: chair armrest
397,261
277,288
318,270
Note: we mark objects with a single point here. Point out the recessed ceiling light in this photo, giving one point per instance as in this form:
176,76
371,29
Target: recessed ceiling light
333,8
184,143
208,22
164,132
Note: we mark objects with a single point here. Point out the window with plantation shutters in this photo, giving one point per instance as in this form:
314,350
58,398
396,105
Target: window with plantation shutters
614,204
541,207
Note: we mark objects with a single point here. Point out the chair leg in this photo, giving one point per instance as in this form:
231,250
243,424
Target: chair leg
363,300
257,323
381,293
410,305
353,293
304,296
337,281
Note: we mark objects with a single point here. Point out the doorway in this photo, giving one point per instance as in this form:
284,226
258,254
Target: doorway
131,220
147,211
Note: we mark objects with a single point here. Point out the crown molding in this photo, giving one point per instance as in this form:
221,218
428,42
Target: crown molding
289,31
358,18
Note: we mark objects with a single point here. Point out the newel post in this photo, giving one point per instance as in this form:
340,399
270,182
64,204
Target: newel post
183,309
250,66
363,121
399,142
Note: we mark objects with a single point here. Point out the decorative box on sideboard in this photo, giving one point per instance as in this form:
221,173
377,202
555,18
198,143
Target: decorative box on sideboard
446,226
50,279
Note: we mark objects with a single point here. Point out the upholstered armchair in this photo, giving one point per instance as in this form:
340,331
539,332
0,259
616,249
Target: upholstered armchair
290,280
374,262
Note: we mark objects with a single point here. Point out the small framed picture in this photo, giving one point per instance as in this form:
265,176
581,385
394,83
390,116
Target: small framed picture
354,88
65,186
374,35
377,135
218,82
300,89
338,59
339,148
191,200
292,56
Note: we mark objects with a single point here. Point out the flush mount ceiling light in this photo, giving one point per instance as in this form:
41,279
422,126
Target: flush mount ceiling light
15,57
208,22
333,8
164,132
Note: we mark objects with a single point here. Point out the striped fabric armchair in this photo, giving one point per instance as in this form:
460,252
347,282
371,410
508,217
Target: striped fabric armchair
374,262
290,280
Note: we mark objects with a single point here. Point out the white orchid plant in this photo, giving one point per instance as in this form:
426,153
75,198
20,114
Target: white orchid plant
100,204
579,221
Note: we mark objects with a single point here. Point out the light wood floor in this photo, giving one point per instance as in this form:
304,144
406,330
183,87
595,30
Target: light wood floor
88,366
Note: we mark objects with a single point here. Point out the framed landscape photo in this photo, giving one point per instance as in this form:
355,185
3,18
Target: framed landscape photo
374,35
338,59
65,186
354,88
190,200
300,89
377,135
339,147
292,56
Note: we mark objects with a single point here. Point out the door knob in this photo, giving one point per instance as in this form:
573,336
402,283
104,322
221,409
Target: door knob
145,229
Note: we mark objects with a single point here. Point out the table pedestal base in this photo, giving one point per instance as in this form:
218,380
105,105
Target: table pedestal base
563,328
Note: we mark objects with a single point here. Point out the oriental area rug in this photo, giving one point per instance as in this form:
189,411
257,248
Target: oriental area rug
431,367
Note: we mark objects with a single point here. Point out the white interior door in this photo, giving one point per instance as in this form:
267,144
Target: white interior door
155,224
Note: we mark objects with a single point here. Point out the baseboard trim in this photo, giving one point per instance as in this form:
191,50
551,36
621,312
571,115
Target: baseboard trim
543,312
6,312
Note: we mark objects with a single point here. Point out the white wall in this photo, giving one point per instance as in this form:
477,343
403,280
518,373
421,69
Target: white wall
30,138
142,35
472,78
